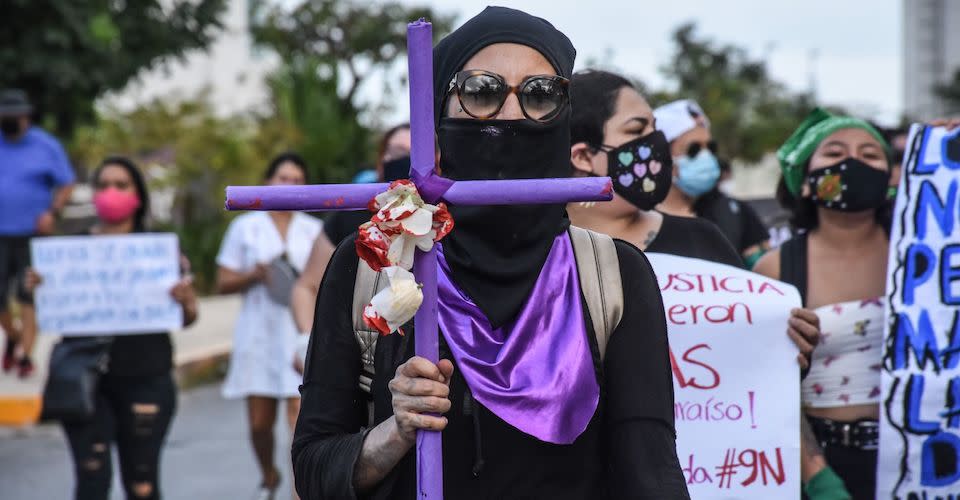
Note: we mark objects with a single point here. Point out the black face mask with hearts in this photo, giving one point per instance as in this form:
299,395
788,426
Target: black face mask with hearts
849,185
642,169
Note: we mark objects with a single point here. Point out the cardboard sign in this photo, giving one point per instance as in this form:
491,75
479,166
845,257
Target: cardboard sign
920,413
107,284
736,379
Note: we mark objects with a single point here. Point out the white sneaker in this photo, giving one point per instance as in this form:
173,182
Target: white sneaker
264,493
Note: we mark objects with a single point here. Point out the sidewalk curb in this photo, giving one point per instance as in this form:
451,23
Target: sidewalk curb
19,411
204,368
207,367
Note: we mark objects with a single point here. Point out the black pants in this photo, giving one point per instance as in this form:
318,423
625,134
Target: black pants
135,412
14,261
857,468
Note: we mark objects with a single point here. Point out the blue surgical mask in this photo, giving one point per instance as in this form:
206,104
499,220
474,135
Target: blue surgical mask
697,175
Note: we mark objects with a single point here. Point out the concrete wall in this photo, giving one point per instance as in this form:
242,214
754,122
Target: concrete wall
931,54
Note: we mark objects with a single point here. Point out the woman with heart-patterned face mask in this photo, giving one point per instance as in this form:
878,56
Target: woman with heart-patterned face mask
613,133
611,116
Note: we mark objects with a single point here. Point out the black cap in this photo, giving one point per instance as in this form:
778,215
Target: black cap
14,102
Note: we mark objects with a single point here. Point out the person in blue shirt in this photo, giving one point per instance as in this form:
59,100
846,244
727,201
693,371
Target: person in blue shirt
35,183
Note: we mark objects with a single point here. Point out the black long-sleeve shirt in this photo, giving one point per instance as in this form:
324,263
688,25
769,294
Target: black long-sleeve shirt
627,451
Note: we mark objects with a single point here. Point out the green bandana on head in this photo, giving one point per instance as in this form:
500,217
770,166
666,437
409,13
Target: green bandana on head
819,124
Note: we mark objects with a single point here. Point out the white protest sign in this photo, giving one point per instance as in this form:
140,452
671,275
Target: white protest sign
107,284
920,409
736,379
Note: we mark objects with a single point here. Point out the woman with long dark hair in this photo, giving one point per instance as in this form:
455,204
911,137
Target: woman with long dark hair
613,124
610,119
136,395
260,256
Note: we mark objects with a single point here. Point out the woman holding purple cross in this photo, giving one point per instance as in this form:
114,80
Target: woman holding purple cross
532,399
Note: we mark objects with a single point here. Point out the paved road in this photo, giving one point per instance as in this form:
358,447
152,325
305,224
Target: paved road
207,456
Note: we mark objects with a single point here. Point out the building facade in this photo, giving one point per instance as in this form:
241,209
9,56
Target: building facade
931,55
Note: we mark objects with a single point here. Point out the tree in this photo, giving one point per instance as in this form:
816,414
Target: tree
66,53
330,136
750,113
329,49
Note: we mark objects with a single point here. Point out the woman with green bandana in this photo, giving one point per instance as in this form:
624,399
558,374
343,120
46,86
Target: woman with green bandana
836,171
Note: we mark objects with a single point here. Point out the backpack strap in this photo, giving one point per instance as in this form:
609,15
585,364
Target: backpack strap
598,268
600,282
367,284
793,264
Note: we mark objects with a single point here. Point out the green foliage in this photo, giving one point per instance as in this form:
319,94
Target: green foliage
314,112
185,147
329,48
333,141
66,53
750,113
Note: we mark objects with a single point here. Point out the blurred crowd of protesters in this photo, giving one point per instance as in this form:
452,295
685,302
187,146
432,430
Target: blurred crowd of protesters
277,261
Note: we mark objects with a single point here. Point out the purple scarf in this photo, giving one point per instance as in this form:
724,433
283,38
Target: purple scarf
536,372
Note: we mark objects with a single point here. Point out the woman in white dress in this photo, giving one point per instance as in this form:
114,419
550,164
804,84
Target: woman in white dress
260,257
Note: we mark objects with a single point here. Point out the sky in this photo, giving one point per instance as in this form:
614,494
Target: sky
850,50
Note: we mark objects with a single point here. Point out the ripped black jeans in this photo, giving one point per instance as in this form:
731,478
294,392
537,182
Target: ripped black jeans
135,413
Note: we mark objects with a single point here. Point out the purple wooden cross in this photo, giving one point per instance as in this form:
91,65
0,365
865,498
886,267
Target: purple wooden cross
433,189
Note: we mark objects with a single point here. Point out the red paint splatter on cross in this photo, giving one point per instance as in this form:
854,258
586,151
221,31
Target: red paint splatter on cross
608,188
253,205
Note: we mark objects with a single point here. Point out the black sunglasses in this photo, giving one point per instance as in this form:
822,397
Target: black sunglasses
694,148
483,93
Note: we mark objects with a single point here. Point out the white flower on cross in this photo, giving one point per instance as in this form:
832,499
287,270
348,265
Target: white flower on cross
402,223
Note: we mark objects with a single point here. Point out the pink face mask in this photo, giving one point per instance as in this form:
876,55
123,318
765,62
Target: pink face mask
114,206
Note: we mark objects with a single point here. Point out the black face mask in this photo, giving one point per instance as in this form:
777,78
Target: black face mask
849,186
642,170
10,127
495,253
396,169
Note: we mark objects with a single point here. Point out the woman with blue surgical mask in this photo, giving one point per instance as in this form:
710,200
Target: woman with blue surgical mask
695,178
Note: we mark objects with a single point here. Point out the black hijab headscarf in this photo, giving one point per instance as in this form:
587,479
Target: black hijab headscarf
496,253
